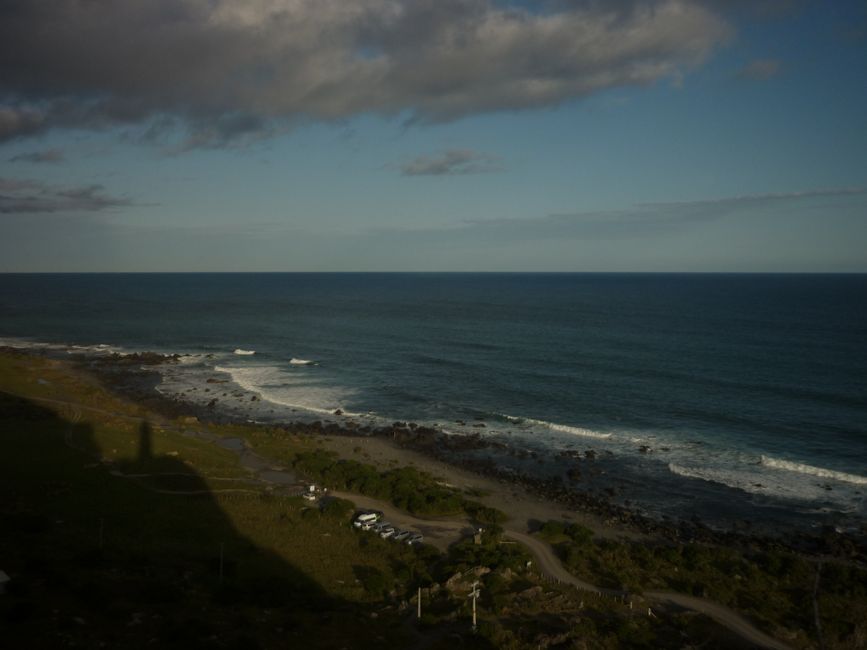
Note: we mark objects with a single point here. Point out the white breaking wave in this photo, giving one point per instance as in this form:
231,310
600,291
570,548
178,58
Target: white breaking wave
821,472
273,386
28,344
301,362
747,481
776,484
244,352
563,428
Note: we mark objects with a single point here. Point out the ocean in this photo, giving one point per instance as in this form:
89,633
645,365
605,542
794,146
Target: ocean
728,397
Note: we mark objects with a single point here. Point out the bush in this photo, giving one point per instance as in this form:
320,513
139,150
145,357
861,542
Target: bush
372,579
579,534
484,514
552,529
405,487
337,508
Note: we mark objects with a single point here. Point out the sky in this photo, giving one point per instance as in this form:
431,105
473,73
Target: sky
433,135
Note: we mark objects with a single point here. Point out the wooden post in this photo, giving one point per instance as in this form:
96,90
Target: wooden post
221,562
101,531
419,603
475,595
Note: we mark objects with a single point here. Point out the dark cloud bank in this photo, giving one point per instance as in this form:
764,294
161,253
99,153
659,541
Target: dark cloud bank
22,197
226,70
50,156
453,162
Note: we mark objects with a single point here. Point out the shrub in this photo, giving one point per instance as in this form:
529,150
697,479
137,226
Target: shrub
337,508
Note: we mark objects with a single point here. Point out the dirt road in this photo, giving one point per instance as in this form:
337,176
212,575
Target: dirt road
550,565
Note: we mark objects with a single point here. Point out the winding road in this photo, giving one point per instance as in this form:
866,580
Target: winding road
550,565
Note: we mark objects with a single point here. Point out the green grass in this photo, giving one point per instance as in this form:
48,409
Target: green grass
83,543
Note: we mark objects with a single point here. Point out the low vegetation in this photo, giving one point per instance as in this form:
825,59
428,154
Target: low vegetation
405,487
773,588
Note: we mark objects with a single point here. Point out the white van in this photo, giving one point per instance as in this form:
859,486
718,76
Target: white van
367,517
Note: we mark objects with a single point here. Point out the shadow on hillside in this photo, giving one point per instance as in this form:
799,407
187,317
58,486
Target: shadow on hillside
100,560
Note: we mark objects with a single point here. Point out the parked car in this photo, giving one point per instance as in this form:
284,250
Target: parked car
365,517
402,535
386,532
415,538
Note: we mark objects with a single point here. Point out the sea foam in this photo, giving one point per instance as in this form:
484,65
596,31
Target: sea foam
763,480
821,472
272,384
562,428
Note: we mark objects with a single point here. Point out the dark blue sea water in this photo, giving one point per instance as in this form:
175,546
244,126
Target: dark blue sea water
747,392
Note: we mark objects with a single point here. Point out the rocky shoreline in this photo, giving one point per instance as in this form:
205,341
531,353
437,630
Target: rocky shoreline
136,377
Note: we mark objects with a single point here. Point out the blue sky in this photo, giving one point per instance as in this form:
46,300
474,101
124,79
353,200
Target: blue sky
466,135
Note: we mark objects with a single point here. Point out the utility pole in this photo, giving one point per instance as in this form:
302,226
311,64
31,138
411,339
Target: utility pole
474,595
419,603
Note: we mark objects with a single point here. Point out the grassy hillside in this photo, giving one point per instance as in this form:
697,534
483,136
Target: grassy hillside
97,557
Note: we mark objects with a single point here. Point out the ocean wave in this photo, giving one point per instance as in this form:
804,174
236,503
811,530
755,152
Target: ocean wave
243,352
29,344
554,426
752,482
731,478
301,362
258,380
820,472
771,484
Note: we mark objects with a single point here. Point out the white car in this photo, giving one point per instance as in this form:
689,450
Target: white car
386,532
364,518
415,538
401,535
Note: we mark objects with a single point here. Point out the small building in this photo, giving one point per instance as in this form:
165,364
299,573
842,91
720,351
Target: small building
312,492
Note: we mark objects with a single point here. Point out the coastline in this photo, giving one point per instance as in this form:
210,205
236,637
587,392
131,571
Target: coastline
533,520
529,500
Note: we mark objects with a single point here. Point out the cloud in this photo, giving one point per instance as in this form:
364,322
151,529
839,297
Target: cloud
760,70
51,156
18,121
636,222
223,69
454,162
19,197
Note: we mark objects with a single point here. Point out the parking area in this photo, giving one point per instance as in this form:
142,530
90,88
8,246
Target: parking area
372,521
